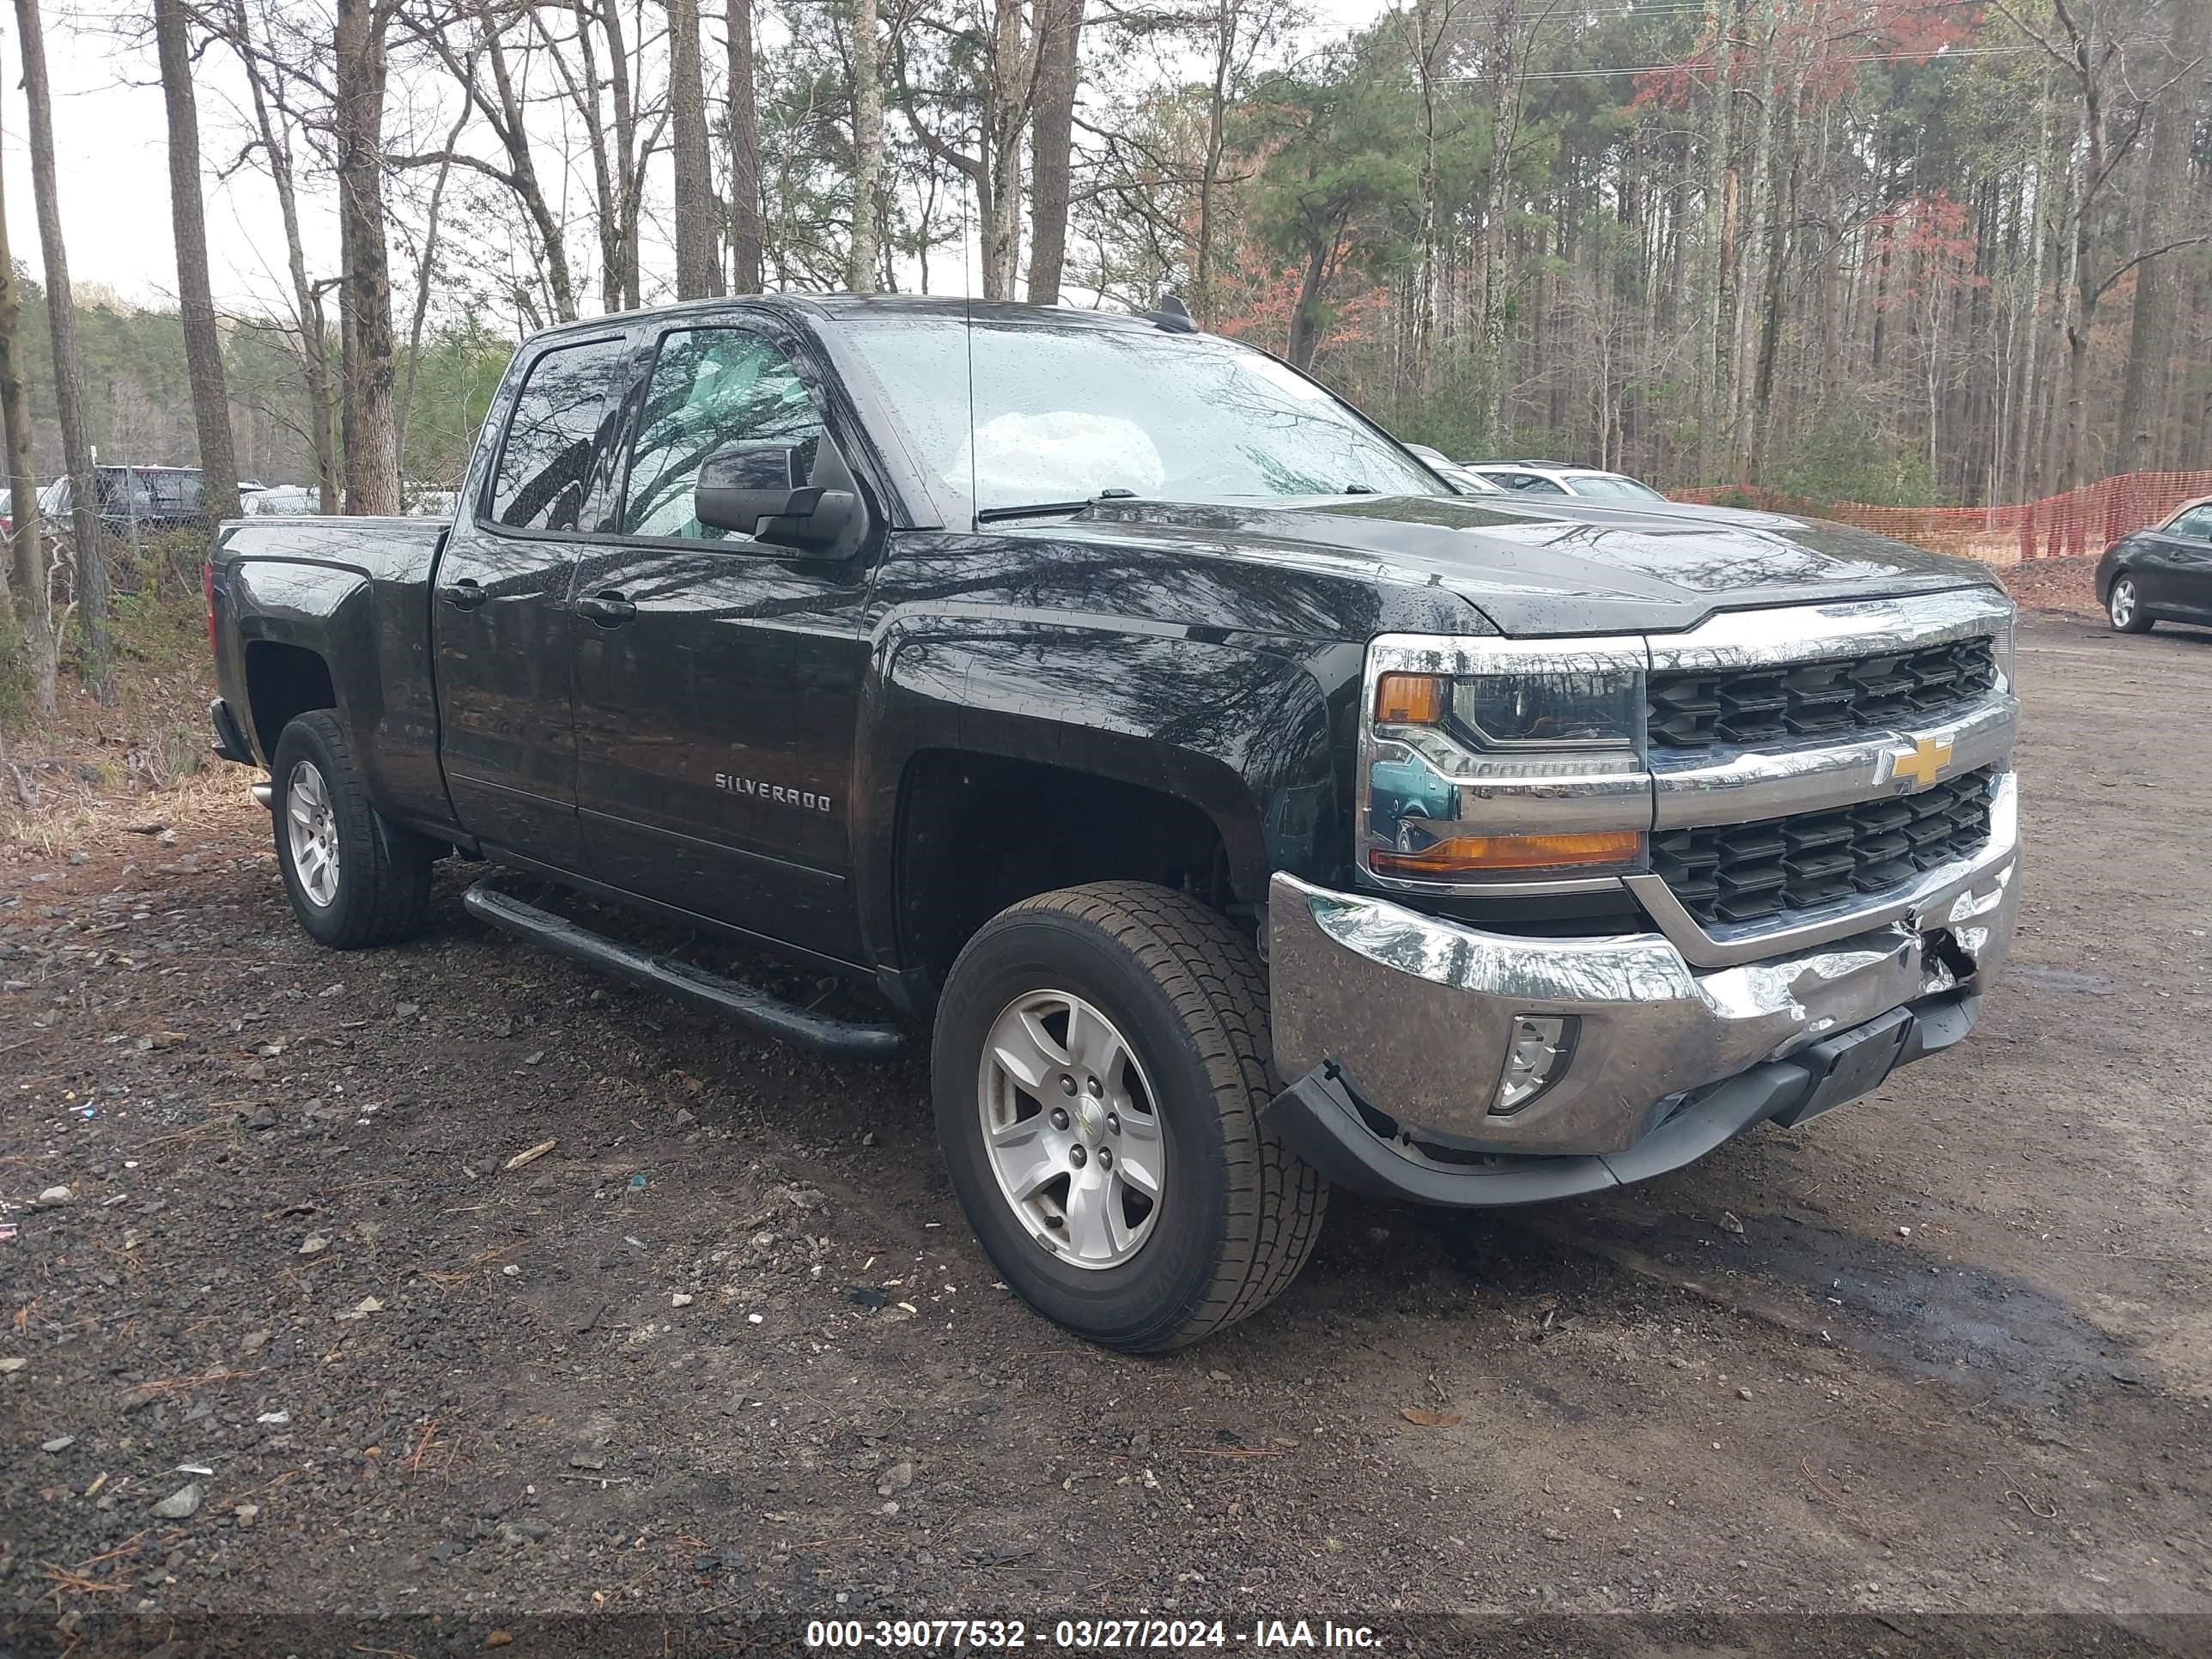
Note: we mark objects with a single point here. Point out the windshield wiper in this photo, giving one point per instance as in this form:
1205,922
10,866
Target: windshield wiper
1037,510
1050,509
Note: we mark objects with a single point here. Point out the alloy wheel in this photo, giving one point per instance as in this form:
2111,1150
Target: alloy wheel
311,828
1072,1130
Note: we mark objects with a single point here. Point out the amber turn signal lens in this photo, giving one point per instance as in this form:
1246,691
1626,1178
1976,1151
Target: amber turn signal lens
1488,854
1409,699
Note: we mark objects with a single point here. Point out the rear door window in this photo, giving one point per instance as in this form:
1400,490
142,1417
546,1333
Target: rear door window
561,429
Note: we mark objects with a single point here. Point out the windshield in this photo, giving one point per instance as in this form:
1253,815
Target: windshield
1064,414
1611,486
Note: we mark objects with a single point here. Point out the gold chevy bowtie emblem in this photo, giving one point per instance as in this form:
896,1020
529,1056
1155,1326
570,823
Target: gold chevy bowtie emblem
1920,765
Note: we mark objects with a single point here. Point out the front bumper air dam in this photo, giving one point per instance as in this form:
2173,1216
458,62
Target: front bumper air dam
1385,1013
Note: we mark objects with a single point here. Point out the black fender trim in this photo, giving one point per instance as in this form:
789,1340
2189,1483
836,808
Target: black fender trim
230,742
846,1039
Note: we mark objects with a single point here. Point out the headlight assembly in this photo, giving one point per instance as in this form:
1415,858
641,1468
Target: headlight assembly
1497,761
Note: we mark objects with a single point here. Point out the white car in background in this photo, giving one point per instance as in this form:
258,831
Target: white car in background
1462,479
279,500
1590,486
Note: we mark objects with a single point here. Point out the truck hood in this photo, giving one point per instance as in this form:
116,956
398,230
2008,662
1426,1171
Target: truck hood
1536,572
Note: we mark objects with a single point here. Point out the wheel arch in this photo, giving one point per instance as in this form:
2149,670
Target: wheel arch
1186,727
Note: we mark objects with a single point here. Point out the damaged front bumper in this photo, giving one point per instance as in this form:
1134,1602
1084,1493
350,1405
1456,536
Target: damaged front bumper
1396,1028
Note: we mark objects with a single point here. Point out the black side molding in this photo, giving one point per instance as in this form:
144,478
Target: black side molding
846,1038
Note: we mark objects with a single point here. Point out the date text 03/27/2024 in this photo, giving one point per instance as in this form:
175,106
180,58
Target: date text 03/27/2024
1089,1635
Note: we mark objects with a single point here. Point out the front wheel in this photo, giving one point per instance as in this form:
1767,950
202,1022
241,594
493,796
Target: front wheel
1100,1062
354,881
2124,605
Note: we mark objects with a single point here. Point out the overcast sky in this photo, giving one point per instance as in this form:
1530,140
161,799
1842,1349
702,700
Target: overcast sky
112,150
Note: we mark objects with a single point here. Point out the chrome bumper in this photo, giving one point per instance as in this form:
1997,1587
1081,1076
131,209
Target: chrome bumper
1412,1011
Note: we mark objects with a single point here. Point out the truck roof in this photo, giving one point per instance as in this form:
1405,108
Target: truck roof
826,307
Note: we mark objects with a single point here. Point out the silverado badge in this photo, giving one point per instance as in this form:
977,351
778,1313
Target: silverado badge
1914,769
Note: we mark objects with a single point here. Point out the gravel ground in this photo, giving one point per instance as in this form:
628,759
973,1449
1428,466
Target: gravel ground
2067,587
449,1287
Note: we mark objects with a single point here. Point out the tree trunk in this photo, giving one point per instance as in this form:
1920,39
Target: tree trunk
698,266
69,358
1503,122
1011,83
1305,327
1060,33
29,603
2150,328
372,456
194,293
1217,144
867,150
744,150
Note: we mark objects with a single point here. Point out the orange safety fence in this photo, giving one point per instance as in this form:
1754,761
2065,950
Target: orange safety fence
2081,521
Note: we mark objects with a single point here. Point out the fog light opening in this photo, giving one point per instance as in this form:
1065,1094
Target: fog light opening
1536,1057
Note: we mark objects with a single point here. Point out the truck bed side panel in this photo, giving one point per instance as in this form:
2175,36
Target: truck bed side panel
354,592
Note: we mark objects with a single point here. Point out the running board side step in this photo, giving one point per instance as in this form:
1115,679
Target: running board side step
846,1038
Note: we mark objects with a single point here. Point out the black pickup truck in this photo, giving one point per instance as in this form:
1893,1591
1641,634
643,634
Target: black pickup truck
1238,810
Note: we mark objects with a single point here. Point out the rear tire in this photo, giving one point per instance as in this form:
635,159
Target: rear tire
354,881
1182,999
2123,607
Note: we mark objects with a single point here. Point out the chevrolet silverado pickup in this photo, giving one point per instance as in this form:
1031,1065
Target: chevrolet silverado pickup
1237,810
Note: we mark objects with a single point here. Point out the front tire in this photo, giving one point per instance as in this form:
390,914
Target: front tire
1101,1059
354,881
2123,607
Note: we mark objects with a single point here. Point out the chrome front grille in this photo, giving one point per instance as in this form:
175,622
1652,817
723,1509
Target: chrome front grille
1771,869
1702,707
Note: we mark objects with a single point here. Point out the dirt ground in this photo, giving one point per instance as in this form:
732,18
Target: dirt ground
725,1349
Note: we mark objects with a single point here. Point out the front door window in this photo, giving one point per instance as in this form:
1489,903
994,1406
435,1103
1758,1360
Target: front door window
710,386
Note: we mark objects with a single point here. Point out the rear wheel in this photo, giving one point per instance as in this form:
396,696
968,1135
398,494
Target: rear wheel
354,881
1100,1062
2124,605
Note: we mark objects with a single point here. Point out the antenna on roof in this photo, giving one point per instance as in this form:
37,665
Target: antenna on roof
1173,316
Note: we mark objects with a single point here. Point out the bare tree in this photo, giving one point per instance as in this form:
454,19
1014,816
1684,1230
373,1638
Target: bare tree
1059,33
698,267
744,149
274,120
2163,219
361,66
867,148
28,553
69,358
619,150
2094,57
194,293
501,104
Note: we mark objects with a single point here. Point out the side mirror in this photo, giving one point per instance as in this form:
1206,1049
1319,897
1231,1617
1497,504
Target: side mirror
757,489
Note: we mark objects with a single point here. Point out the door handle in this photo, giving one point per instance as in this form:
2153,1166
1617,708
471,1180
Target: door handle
465,594
609,609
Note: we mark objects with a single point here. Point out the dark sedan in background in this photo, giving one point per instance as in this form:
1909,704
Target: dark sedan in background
2162,572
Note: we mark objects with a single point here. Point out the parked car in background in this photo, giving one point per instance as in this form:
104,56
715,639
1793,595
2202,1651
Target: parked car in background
156,496
1590,486
1583,483
428,501
276,500
1458,477
2162,572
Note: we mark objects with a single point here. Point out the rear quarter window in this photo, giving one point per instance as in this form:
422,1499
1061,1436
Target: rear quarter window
561,429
